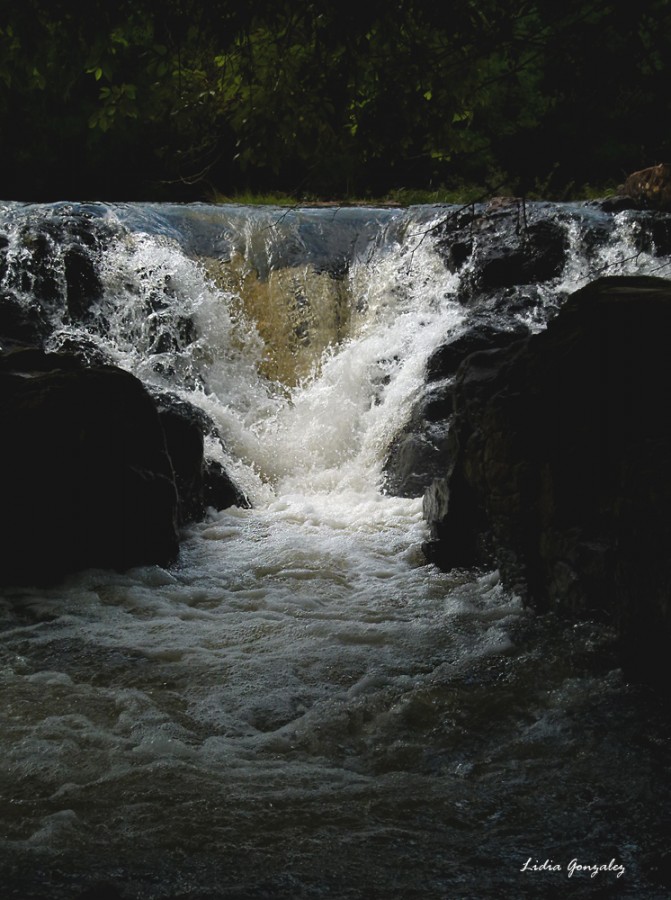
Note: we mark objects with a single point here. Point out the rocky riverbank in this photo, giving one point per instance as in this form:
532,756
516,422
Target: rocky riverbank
558,469
95,471
541,452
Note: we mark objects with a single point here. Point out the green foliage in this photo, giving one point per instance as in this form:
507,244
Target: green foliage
141,98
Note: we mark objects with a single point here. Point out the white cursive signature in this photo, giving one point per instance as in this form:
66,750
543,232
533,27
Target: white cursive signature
548,865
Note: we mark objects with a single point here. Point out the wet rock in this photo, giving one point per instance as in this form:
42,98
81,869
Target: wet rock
219,489
54,268
420,452
21,323
457,253
83,286
59,263
485,333
617,204
85,479
537,254
502,245
200,483
85,349
30,361
558,469
185,445
653,233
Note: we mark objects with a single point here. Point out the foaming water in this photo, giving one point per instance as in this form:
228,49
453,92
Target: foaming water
301,707
326,428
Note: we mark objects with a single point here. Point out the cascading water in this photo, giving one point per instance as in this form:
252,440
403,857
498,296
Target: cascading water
301,706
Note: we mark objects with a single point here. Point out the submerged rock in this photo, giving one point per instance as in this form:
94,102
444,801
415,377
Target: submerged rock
559,471
85,478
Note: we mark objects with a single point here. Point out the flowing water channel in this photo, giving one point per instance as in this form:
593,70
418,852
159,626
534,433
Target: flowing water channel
301,707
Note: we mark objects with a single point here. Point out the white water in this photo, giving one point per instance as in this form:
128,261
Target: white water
300,706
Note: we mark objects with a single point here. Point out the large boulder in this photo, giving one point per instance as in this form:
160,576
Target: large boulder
559,471
94,470
185,446
420,452
85,479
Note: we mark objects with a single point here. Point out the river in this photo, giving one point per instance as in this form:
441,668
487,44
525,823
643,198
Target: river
302,707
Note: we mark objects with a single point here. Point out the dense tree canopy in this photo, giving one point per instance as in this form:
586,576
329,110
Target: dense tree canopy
143,98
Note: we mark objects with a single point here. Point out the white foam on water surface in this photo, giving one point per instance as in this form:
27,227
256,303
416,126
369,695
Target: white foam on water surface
300,685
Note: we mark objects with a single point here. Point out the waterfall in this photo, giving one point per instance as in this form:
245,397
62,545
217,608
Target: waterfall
301,705
303,333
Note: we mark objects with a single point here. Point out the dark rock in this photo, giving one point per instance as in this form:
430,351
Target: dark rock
21,323
85,349
200,483
185,445
83,284
416,457
501,246
653,235
457,253
538,255
33,361
559,471
438,402
58,263
219,489
419,453
617,204
482,334
168,401
659,227
85,479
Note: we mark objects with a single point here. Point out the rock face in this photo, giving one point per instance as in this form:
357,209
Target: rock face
506,252
85,478
502,245
483,333
560,450
420,453
95,472
200,483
